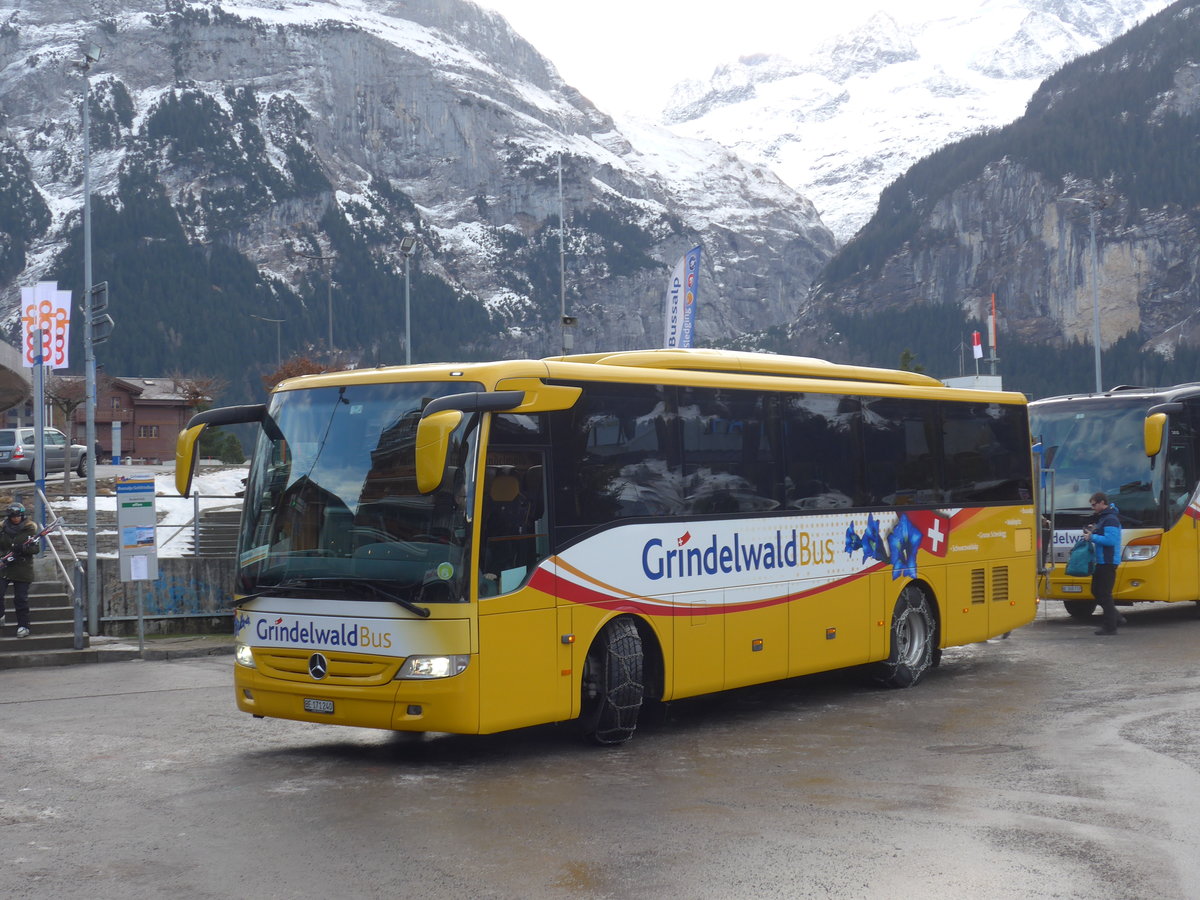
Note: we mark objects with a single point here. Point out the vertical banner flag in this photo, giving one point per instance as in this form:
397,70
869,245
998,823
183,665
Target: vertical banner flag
45,316
976,345
681,301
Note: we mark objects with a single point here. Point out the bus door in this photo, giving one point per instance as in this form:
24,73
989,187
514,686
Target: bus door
521,652
1181,540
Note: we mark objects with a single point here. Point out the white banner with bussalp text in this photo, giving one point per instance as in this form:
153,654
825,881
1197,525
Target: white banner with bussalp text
681,300
45,316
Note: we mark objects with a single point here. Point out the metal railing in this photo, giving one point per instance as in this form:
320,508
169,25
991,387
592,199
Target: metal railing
165,533
76,588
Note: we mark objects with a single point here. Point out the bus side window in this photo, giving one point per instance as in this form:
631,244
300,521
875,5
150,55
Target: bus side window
1181,468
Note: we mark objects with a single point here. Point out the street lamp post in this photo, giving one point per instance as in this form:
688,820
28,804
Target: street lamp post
408,246
1095,285
278,340
90,55
328,291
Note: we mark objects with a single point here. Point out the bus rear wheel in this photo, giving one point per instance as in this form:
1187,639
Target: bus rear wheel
613,683
913,638
1080,609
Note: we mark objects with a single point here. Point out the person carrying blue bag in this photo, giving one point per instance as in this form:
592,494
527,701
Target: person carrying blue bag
1105,535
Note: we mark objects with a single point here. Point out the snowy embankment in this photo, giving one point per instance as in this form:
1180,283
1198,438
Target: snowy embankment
216,490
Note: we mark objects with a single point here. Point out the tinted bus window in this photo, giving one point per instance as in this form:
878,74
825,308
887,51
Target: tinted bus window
616,455
726,461
987,452
819,449
902,449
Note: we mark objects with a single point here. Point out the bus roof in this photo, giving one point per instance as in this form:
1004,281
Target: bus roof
730,366
1171,394
733,362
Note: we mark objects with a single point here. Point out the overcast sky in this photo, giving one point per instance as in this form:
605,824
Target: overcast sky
626,54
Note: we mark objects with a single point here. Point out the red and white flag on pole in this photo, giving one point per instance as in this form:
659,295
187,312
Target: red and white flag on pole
976,345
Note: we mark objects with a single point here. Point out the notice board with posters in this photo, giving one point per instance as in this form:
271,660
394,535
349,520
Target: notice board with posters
137,532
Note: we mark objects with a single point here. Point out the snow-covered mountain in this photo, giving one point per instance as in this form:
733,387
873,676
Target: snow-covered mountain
248,153
841,122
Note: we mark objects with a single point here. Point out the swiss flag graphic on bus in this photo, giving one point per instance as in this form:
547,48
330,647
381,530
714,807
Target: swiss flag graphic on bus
934,528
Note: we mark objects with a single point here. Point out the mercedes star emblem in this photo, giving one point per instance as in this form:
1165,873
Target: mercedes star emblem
318,666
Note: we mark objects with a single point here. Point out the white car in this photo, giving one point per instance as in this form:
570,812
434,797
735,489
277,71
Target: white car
17,453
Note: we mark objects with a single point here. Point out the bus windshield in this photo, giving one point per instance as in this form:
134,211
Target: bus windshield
332,498
1098,446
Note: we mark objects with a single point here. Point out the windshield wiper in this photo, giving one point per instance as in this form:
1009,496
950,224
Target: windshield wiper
421,611
291,584
328,583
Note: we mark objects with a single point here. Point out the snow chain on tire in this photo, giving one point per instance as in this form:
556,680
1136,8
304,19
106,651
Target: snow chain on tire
912,639
612,683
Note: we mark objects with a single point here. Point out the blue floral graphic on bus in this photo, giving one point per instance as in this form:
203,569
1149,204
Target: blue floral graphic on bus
853,541
870,542
900,547
873,546
904,541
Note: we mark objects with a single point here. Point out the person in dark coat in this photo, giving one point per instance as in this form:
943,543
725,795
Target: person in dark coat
18,538
1105,534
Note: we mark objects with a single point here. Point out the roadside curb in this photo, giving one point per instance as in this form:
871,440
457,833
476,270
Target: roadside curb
117,652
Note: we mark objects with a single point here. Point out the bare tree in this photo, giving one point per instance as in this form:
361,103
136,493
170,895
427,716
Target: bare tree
290,368
198,390
66,393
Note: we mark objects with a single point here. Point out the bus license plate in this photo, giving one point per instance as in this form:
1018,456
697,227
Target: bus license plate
318,706
1067,589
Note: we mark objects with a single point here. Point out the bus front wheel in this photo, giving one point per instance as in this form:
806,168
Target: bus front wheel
612,683
1080,609
913,636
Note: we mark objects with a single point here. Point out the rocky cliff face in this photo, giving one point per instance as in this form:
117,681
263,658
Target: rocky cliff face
255,119
1015,233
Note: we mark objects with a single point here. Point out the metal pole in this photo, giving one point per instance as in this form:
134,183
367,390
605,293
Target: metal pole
329,299
89,364
38,472
562,262
278,336
1095,299
407,320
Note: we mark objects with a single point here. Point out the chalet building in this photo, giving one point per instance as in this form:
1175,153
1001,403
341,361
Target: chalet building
152,412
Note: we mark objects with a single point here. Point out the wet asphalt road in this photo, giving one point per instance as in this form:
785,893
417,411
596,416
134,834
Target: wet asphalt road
1053,764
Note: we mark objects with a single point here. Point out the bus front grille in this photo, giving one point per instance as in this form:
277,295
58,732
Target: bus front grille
293,665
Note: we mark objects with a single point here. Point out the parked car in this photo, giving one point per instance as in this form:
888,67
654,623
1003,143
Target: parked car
17,452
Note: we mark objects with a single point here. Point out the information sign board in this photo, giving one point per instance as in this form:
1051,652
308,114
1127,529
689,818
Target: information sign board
137,539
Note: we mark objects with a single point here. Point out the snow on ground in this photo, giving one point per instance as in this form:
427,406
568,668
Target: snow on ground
216,490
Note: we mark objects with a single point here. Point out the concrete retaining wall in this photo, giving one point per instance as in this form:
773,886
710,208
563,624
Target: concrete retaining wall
192,595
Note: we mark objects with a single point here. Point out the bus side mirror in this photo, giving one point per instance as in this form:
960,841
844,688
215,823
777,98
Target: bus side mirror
185,457
433,444
1152,433
185,444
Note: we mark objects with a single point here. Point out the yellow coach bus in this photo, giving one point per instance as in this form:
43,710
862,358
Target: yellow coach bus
479,547
1141,447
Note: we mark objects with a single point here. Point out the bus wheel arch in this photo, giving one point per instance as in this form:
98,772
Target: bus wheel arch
913,638
613,685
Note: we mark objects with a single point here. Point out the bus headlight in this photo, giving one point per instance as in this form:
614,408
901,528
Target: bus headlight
432,667
244,656
1139,552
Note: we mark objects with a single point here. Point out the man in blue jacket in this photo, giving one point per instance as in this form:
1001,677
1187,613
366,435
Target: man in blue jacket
1105,534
